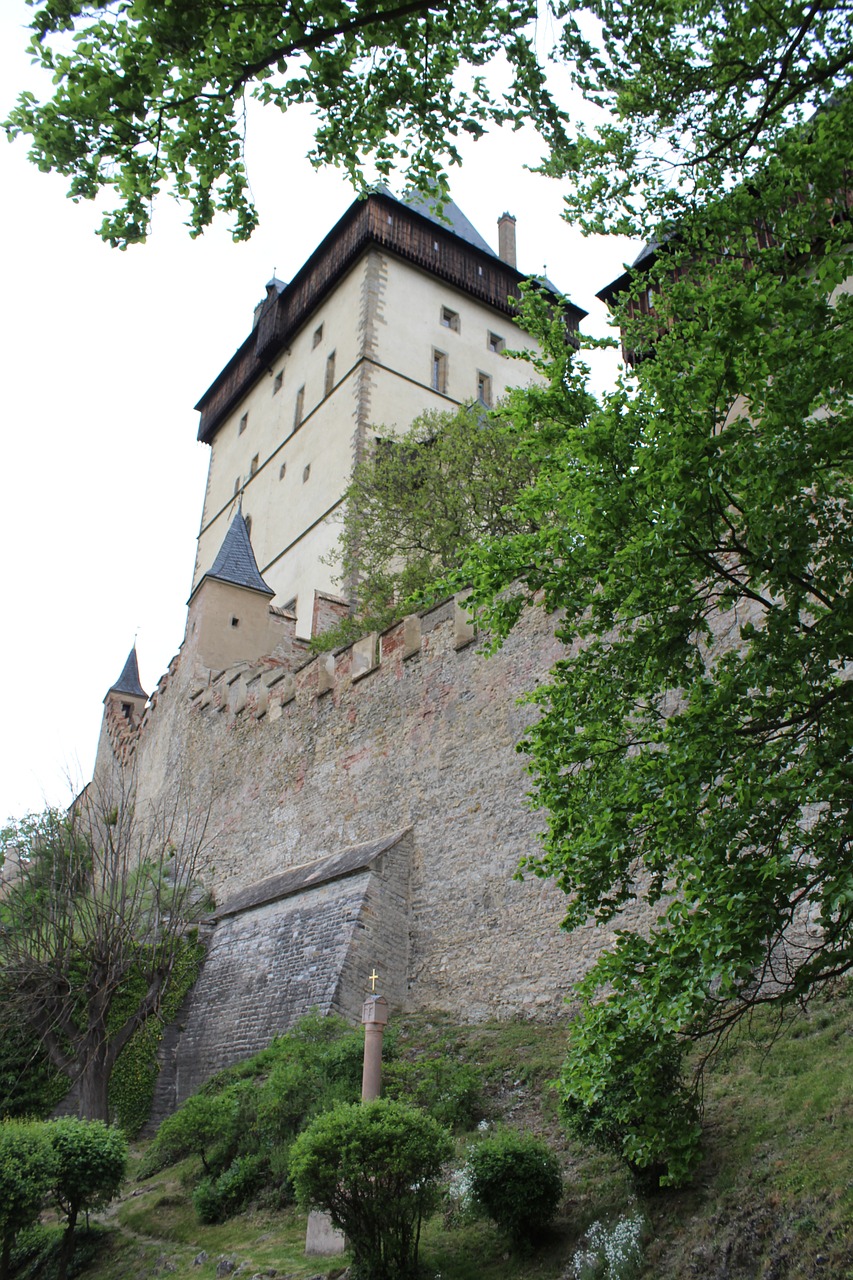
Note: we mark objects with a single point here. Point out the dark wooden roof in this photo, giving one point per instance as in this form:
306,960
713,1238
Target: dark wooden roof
396,227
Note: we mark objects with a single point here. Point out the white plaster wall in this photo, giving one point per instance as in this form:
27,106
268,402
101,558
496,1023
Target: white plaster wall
383,322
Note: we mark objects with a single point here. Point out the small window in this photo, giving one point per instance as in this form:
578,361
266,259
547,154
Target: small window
439,371
484,389
650,299
248,520
318,336
435,246
495,342
253,466
244,422
390,220
450,319
279,379
330,375
300,407
282,469
126,710
306,473
235,622
236,486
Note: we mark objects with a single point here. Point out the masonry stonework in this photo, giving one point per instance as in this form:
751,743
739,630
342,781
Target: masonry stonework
326,760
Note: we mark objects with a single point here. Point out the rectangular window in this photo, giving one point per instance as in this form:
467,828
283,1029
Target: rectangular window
253,465
484,389
450,319
439,371
300,407
279,379
244,422
318,336
236,486
330,375
495,342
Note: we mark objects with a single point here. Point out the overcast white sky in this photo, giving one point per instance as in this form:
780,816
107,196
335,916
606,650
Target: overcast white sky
104,355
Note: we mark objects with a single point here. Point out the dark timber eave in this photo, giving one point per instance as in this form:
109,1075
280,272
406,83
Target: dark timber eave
396,228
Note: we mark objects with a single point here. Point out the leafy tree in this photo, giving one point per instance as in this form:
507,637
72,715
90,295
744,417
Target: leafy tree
693,751
516,1180
148,94
372,1167
27,1166
418,501
104,896
89,1169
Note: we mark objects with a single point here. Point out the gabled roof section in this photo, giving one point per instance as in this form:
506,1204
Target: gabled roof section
236,561
128,681
451,217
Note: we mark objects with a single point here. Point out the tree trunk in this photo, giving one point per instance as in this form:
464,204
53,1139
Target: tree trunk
66,1248
93,1083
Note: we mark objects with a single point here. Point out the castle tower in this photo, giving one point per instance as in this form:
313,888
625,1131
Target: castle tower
397,311
229,617
124,704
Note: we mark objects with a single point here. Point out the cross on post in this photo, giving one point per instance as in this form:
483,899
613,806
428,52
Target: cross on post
374,1016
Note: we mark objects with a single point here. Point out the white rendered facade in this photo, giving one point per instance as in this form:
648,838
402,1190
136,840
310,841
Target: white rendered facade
388,340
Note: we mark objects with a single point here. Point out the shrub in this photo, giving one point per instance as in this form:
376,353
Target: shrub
638,1107
206,1125
373,1168
450,1091
90,1161
516,1181
27,1167
206,1202
216,1199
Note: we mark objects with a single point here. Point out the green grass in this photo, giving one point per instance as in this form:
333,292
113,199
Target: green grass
773,1199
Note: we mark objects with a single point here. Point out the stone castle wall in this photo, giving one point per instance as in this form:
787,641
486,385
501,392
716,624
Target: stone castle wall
413,732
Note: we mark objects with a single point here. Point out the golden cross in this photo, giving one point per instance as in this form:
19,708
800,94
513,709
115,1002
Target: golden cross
373,978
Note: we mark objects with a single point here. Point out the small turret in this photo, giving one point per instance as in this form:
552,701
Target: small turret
124,704
229,618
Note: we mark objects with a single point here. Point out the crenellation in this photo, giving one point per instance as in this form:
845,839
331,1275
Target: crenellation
365,656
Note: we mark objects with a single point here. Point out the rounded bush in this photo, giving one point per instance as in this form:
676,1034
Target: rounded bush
516,1181
373,1168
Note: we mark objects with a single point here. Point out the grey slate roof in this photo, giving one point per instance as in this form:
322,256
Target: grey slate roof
451,218
128,681
333,866
236,560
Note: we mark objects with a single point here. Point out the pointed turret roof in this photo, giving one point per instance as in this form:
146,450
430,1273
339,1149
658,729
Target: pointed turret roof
236,561
128,681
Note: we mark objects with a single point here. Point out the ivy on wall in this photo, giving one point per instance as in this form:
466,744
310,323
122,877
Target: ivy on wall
31,1086
134,1076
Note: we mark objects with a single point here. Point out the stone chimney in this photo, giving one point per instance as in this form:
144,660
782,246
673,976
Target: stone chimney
506,238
